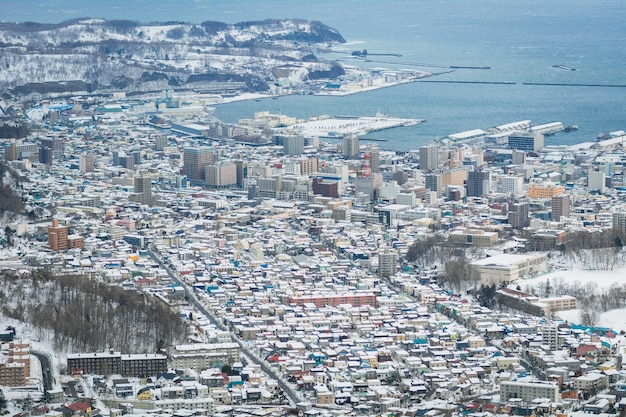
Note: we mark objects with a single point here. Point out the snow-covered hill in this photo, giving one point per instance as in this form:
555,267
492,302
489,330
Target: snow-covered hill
123,55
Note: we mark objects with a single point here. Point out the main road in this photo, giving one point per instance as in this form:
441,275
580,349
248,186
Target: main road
291,394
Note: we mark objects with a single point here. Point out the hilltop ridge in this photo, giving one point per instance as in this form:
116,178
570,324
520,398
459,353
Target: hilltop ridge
97,55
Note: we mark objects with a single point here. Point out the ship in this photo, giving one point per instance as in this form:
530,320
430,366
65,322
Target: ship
570,128
564,67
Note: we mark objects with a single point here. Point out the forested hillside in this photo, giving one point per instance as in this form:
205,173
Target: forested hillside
81,315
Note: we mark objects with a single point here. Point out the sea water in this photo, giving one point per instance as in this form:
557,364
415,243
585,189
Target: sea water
520,40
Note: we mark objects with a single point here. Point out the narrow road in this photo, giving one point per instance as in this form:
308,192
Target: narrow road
291,394
46,372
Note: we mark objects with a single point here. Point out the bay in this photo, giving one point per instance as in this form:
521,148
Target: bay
520,41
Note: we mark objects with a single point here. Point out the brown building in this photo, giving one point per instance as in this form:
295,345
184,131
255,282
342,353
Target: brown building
560,206
325,188
15,369
308,166
57,236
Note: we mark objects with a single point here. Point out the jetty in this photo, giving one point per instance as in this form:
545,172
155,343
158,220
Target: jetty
340,126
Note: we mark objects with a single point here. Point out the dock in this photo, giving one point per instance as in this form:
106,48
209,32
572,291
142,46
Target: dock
339,126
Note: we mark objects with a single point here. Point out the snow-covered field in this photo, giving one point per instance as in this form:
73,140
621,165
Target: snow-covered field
579,274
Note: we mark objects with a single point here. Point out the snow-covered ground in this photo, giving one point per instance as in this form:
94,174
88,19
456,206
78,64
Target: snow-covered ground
601,279
579,274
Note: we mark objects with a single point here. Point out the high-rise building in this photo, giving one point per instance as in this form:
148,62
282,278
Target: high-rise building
127,162
512,184
221,174
550,335
619,221
374,158
137,157
434,183
560,207
143,189
160,142
325,188
526,141
87,163
518,157
45,156
293,145
10,154
596,180
478,183
387,262
518,215
429,157
15,369
115,158
308,166
57,236
351,146
242,171
195,160
55,145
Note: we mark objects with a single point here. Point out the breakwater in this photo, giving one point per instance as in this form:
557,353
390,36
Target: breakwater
578,85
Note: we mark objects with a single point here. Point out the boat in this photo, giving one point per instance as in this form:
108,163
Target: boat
564,67
571,128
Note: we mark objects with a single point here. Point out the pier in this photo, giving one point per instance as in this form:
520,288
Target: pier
339,126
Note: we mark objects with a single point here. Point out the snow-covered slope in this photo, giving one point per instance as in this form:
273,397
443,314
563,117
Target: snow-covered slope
125,55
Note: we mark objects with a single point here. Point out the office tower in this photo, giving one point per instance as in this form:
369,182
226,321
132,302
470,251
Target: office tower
351,146
526,141
56,147
10,154
478,183
127,162
115,158
137,157
57,236
325,188
160,142
560,207
374,158
87,163
387,262
143,189
308,166
434,183
195,160
518,157
518,215
221,174
596,180
429,157
242,171
293,145
512,184
619,222
45,156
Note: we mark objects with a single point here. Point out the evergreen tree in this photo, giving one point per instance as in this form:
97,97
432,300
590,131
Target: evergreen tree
3,401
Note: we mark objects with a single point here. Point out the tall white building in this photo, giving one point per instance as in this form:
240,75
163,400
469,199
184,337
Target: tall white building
387,262
351,146
429,157
596,181
512,184
528,391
